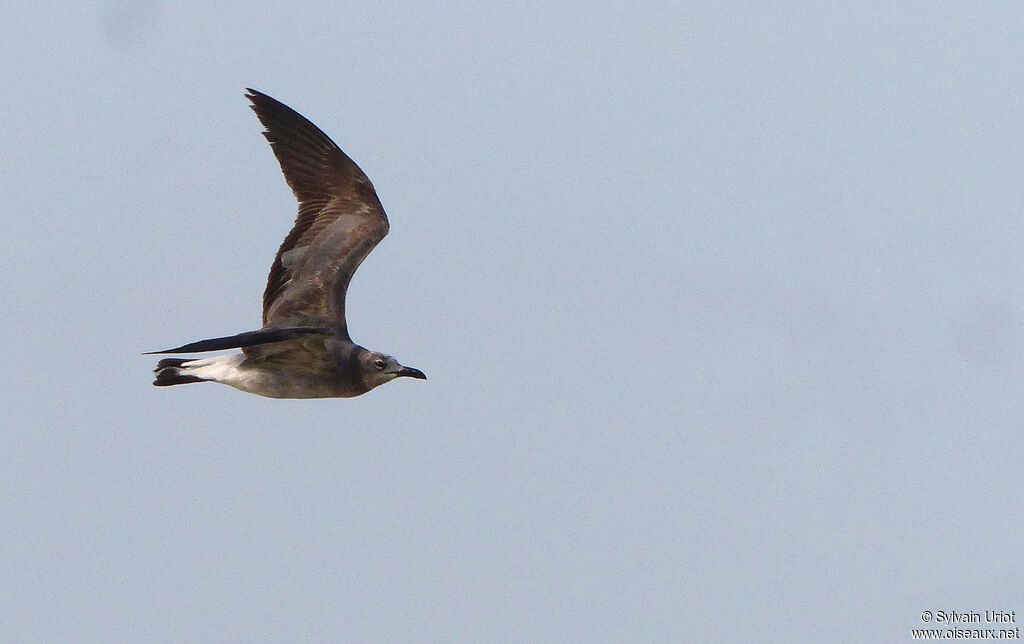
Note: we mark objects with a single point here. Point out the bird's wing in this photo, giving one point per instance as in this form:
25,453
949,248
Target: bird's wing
307,353
340,221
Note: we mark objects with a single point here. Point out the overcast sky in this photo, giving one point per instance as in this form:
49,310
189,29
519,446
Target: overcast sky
721,309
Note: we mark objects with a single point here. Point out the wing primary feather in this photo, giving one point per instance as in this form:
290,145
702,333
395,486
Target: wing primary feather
247,339
340,220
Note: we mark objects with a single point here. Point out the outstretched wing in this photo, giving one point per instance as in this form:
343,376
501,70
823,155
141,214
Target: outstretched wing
340,221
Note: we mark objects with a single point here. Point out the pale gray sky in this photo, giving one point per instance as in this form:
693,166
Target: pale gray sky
722,311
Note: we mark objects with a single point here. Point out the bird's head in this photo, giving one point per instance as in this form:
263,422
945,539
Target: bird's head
377,368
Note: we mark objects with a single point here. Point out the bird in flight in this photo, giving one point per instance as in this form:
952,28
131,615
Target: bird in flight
303,349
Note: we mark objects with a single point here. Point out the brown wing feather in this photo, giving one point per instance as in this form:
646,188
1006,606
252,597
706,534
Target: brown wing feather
340,219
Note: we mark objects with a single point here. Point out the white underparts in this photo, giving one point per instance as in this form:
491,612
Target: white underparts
222,369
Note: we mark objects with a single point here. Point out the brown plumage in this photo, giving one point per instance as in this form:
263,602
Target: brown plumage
304,349
340,218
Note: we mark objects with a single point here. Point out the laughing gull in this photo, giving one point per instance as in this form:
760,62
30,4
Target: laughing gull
303,349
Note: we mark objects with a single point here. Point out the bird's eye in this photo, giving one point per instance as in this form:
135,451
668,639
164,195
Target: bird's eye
379,362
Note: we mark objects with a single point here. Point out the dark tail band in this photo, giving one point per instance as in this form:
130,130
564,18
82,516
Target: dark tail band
168,373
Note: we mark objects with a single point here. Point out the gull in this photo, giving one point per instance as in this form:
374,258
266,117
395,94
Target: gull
303,349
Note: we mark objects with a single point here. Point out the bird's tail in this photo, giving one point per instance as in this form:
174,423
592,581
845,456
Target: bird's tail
181,371
172,371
